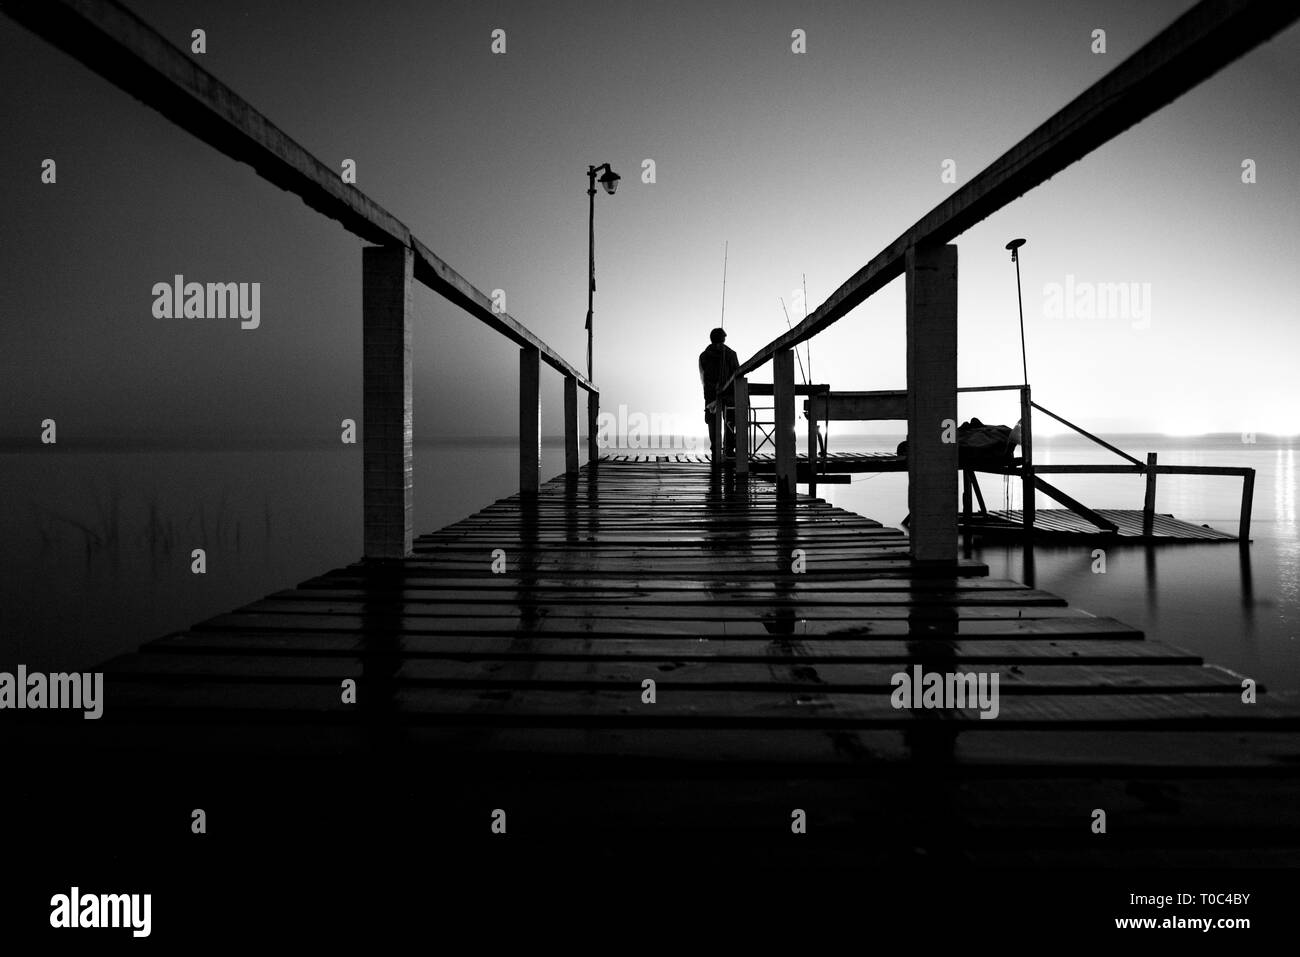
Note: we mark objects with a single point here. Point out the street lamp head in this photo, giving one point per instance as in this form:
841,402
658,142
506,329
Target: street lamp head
1014,245
609,179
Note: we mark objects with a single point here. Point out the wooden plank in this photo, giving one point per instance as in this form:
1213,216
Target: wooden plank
704,597
1194,47
704,606
344,585
1128,522
791,674
858,406
369,616
1096,518
685,708
1109,469
923,622
1020,643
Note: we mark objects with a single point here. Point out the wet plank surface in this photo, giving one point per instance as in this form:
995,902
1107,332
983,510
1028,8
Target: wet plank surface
519,642
1063,523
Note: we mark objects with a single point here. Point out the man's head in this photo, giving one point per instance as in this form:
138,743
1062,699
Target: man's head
718,335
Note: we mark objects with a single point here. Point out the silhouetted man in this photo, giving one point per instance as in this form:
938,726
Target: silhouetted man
717,365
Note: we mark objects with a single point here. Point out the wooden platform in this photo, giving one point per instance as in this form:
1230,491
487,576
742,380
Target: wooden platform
1062,524
762,462
523,688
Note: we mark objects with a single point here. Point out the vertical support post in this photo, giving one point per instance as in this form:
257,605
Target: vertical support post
1149,502
741,391
530,419
720,432
1027,456
783,434
812,447
966,496
593,418
387,486
570,425
1247,502
932,402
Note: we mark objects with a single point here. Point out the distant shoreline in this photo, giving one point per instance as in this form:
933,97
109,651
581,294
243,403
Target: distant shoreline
650,445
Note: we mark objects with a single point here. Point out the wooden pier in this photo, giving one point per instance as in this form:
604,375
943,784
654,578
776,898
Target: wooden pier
772,687
1113,525
1124,524
660,647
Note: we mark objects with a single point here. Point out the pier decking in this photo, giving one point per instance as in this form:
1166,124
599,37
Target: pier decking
1062,524
771,686
1050,525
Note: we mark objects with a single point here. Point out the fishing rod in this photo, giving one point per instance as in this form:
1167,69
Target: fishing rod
796,351
722,323
807,343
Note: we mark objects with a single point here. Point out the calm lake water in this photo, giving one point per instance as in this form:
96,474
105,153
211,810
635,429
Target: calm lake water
1239,611
96,556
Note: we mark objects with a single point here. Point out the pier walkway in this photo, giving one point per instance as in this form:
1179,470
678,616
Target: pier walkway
654,646
772,686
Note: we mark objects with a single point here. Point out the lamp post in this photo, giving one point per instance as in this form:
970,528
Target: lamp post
608,179
1014,246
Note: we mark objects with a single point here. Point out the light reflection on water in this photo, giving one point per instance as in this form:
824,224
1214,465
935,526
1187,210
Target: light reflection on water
1241,611
1284,487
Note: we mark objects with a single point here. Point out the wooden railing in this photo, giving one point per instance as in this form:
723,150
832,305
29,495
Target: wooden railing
117,44
824,405
1030,472
1198,44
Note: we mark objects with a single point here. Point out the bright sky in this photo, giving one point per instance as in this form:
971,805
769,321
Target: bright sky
805,163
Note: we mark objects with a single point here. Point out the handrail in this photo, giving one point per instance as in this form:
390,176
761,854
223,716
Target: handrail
1195,46
1088,435
115,43
124,49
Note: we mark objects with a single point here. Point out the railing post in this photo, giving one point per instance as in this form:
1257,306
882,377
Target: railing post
387,487
593,418
812,447
741,387
570,425
1149,501
783,409
932,402
719,450
530,419
1247,502
1027,457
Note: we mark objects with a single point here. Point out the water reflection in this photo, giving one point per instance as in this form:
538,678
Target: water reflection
1284,486
380,649
1227,603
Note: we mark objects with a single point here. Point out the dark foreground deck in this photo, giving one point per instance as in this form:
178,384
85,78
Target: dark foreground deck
522,691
